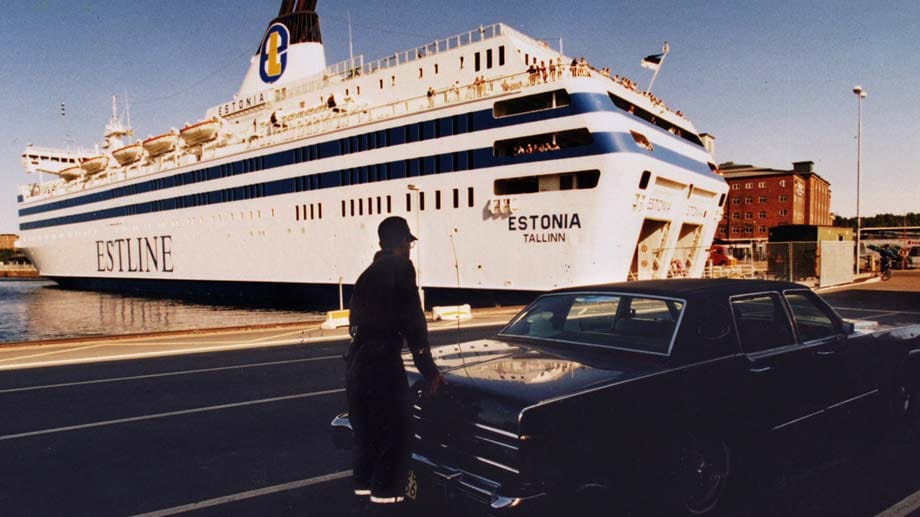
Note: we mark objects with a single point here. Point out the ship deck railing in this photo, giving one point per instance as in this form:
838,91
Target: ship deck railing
307,122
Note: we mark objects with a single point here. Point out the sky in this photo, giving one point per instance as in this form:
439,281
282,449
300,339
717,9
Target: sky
772,81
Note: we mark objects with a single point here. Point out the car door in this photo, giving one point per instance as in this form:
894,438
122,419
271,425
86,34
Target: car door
847,381
780,371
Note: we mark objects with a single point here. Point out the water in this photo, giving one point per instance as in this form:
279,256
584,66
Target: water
38,310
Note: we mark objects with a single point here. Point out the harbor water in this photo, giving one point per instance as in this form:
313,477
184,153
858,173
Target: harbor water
39,310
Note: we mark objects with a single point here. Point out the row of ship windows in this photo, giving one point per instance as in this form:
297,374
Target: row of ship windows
380,205
761,200
417,132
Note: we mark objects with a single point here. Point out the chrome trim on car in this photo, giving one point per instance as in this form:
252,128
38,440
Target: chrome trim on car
497,464
497,431
816,413
617,383
854,399
502,444
680,319
474,488
501,502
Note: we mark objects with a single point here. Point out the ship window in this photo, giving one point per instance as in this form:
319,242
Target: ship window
643,182
547,183
456,198
721,200
421,72
469,196
320,214
379,205
370,206
531,103
542,143
297,217
478,59
389,205
381,84
437,199
361,206
421,201
408,202
488,58
352,203
501,55
631,108
312,212
526,59
392,80
358,88
461,62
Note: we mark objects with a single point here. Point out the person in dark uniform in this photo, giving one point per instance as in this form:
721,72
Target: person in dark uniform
385,312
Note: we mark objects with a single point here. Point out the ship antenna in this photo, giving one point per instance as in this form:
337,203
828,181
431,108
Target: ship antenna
351,52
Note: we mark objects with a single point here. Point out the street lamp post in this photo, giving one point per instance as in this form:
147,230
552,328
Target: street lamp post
418,245
860,95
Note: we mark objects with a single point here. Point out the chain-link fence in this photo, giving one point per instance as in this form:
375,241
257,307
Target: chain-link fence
810,263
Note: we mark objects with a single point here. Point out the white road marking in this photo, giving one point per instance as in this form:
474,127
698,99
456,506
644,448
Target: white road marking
154,416
247,495
159,353
167,374
912,313
903,508
63,351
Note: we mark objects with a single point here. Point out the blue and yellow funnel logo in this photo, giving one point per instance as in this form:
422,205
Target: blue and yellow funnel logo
273,58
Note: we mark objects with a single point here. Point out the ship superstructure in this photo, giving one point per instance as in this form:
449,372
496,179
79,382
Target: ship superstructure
519,169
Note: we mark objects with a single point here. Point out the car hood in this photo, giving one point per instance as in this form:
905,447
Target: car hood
491,381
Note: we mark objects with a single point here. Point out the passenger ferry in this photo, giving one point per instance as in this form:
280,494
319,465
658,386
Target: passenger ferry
518,168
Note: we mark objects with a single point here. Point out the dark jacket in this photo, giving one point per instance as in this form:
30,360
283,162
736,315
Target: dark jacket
385,309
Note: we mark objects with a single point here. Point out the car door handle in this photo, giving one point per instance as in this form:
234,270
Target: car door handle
825,353
762,369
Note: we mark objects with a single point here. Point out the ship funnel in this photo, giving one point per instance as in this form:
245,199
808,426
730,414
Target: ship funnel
291,49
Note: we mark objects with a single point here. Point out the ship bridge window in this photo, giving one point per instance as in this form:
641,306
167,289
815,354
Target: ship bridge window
544,142
631,108
547,183
531,103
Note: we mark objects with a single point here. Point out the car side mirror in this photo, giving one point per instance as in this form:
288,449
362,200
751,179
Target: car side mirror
342,433
849,327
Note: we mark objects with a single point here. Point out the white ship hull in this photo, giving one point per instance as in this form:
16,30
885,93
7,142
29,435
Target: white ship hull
284,224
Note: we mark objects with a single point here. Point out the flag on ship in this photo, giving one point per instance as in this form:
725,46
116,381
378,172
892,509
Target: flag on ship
652,62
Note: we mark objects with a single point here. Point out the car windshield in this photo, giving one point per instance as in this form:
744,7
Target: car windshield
624,321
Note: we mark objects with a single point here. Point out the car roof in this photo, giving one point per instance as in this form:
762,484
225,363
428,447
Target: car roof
688,287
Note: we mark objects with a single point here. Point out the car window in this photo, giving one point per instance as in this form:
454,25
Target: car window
761,322
811,318
620,321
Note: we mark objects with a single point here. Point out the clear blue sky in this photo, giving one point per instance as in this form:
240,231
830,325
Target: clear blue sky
771,80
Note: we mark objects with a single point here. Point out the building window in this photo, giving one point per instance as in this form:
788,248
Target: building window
782,183
736,201
762,199
783,198
749,215
736,215
748,186
748,200
762,229
783,212
736,187
762,184
762,214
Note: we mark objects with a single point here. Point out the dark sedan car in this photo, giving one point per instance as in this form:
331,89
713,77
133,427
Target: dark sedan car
648,393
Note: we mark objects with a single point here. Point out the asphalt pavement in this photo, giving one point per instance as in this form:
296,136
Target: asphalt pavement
236,423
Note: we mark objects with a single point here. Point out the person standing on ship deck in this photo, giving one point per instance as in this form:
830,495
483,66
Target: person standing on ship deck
385,312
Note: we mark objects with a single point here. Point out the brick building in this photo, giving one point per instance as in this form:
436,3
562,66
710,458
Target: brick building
760,198
7,240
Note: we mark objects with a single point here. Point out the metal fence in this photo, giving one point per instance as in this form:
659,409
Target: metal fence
812,263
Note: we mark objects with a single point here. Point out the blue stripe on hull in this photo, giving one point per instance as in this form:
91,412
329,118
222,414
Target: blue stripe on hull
315,297
458,124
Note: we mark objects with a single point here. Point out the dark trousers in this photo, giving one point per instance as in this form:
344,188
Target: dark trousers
378,406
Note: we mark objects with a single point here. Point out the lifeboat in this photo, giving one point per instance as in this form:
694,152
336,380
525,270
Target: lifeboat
94,164
160,144
204,131
129,154
72,173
